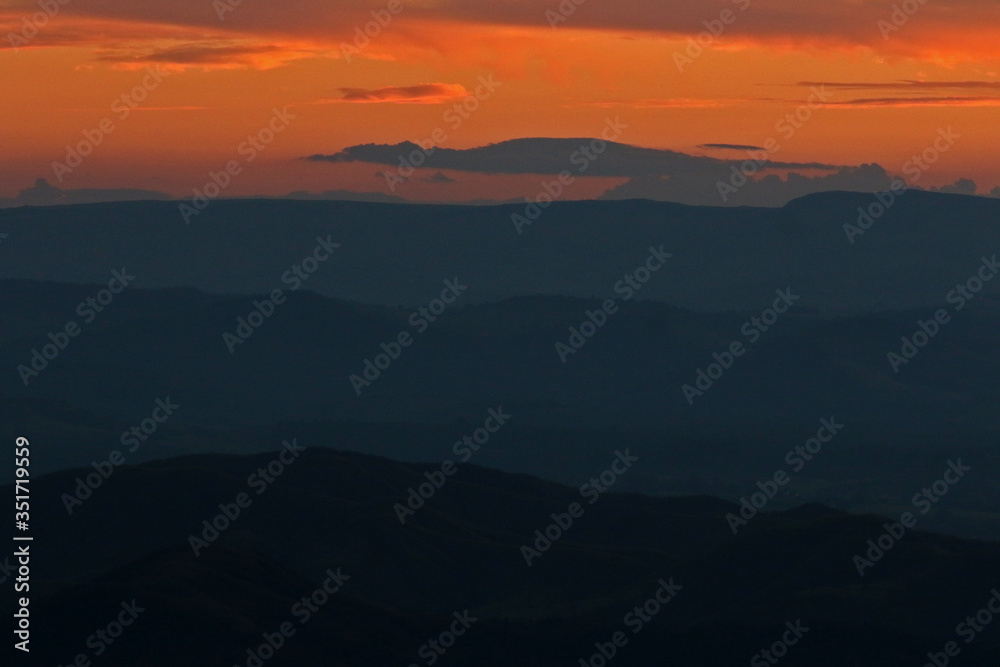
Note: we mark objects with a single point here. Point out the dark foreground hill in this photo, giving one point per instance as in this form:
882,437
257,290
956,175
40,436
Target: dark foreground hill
327,514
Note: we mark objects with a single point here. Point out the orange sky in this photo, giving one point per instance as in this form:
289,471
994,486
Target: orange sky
225,76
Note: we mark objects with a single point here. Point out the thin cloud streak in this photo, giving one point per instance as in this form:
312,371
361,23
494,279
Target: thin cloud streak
897,102
904,85
424,93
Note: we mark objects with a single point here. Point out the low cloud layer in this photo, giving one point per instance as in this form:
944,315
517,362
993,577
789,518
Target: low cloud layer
424,93
548,156
730,147
655,174
652,173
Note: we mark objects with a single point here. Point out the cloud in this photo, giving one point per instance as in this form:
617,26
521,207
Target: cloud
189,53
424,93
128,44
546,156
943,30
649,173
731,147
206,55
920,102
905,84
963,186
674,103
907,93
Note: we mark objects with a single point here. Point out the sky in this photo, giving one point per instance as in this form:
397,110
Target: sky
162,95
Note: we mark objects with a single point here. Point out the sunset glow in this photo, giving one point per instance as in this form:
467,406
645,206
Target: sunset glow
893,79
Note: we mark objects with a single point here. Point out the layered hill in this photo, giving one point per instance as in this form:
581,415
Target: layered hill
332,513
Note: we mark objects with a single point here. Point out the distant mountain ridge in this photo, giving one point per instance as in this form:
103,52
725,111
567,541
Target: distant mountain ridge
723,259
43,193
630,383
313,359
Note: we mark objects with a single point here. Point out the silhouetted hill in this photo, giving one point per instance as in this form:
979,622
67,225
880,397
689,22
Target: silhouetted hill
462,551
623,386
298,364
724,259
